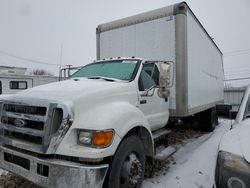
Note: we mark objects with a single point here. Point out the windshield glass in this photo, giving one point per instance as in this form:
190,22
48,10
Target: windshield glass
118,69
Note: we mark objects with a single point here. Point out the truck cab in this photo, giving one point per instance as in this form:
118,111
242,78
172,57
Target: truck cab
144,75
104,114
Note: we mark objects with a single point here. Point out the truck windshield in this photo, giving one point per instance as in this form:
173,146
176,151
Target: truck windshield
117,69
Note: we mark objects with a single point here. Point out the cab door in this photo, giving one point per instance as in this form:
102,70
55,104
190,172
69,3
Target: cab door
155,109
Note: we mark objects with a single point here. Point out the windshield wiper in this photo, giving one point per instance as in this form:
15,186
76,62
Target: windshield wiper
108,79
103,78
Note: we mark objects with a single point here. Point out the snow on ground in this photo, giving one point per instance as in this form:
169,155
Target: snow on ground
1,172
194,163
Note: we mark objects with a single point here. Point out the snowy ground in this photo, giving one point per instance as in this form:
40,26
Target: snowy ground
194,163
192,166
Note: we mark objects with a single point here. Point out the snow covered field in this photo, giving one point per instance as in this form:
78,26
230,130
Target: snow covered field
194,163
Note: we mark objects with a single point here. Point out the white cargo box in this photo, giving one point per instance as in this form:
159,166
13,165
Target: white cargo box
174,34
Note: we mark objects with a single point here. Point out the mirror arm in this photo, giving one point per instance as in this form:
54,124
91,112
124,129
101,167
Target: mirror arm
146,92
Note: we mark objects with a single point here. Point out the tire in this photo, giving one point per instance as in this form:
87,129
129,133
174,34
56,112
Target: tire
128,165
211,120
216,120
207,120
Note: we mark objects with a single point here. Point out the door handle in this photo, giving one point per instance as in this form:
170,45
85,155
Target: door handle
143,101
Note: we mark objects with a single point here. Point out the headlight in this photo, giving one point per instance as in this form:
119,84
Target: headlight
232,171
85,137
235,163
96,139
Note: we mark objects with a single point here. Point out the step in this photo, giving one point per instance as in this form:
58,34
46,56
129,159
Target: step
165,153
160,133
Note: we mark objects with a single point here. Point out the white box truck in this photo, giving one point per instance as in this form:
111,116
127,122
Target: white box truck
99,128
170,34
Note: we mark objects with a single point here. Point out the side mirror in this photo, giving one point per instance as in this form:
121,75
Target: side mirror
165,79
163,92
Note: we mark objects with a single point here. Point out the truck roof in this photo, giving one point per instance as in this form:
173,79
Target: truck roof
178,8
118,58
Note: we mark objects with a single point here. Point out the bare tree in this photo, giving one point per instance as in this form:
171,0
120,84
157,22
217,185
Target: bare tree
41,72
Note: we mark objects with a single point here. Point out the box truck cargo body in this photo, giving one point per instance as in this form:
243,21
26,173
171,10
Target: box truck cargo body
170,34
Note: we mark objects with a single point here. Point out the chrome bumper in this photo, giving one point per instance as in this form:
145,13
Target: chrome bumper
52,173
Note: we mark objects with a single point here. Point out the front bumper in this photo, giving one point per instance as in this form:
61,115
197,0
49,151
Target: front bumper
52,172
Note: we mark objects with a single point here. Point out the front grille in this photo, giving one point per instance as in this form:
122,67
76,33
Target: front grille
38,125
24,123
25,109
31,126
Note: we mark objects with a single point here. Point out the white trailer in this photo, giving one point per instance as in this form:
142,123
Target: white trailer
14,79
174,34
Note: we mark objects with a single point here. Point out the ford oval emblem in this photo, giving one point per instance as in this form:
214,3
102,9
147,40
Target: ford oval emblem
19,123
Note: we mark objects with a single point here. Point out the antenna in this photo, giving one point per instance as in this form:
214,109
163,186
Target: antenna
228,100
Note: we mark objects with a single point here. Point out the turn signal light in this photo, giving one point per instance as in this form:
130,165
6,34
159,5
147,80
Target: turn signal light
102,139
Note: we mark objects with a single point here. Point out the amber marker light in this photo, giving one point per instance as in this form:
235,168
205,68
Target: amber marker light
102,139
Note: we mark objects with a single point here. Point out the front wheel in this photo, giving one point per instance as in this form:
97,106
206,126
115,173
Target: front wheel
128,166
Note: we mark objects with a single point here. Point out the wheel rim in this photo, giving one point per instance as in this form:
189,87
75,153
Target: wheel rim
131,172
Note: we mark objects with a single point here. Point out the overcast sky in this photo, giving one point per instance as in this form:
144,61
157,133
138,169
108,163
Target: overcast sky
37,29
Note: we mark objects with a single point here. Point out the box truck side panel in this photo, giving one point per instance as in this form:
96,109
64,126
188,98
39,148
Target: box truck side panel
205,69
118,42
151,40
154,40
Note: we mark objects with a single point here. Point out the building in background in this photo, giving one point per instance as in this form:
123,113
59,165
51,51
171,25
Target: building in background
233,97
14,79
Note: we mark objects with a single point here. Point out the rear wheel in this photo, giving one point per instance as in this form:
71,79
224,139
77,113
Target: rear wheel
207,120
128,166
216,120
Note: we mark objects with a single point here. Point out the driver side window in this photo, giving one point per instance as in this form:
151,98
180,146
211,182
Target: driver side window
149,76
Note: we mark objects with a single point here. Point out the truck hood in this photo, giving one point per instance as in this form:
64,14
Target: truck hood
237,140
69,90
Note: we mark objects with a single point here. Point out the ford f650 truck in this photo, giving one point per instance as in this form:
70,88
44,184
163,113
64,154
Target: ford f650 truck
99,128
